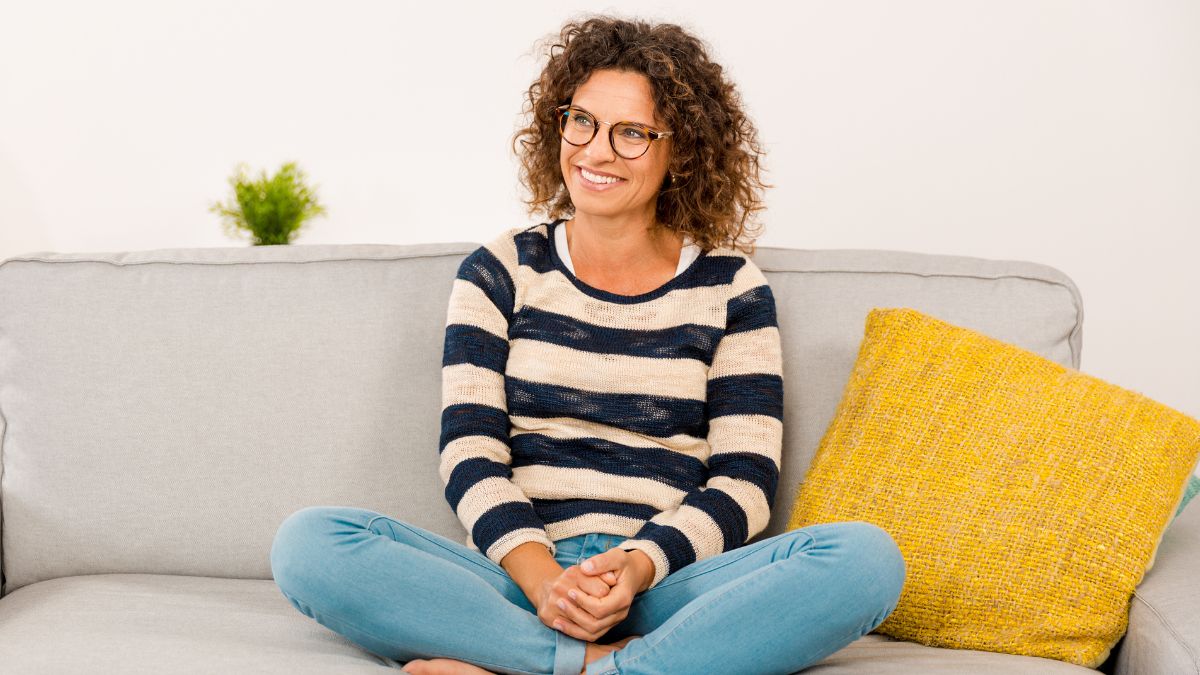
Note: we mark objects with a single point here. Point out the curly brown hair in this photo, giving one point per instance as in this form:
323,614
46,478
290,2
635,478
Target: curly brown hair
716,189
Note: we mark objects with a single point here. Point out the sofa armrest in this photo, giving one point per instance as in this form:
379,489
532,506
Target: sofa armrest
1164,617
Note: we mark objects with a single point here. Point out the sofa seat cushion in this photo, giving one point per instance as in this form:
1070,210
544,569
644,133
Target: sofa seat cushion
879,654
147,623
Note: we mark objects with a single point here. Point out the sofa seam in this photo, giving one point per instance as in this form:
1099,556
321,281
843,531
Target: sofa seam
1171,631
232,262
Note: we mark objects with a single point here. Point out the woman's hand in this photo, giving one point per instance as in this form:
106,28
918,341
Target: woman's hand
555,602
632,572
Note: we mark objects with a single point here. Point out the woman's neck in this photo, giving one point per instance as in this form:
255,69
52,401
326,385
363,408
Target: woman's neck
609,246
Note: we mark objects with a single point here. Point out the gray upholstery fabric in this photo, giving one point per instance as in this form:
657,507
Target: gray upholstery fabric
171,624
153,623
1164,618
163,411
168,409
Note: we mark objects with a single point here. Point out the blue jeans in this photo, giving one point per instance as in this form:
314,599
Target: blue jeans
774,606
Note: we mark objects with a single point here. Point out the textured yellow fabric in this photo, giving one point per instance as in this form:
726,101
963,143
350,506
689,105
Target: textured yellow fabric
1028,499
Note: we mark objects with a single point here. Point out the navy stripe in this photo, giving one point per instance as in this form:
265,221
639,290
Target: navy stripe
502,519
665,466
714,270
751,310
709,270
659,416
469,472
555,510
686,341
485,270
472,419
748,466
673,542
751,394
471,344
533,250
727,513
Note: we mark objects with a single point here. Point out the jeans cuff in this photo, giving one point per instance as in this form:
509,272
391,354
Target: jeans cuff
605,665
569,654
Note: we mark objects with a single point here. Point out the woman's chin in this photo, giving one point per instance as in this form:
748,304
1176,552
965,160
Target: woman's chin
598,207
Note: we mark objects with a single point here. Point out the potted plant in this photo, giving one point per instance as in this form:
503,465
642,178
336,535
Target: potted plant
271,208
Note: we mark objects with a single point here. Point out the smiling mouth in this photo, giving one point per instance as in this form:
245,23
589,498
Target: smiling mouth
597,179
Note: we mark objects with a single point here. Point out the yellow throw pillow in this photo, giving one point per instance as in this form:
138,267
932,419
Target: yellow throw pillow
1028,499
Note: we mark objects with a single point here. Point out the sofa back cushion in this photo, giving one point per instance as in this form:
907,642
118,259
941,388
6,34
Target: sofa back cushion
163,411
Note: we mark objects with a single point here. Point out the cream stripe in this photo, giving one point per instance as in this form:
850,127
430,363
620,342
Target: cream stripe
485,494
594,522
656,554
550,482
510,540
749,497
701,530
504,247
470,543
469,383
470,305
757,434
470,447
553,292
553,364
752,351
565,428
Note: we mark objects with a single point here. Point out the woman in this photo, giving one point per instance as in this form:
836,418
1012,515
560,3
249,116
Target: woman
612,414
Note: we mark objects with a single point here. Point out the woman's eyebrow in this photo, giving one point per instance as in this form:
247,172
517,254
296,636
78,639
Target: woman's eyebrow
588,111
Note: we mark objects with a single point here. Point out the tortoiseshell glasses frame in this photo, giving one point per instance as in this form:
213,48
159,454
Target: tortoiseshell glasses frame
634,140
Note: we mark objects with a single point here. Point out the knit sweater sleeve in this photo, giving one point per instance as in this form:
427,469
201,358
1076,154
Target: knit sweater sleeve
745,436
475,455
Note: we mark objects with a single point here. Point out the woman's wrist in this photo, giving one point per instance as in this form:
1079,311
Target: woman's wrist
531,566
644,567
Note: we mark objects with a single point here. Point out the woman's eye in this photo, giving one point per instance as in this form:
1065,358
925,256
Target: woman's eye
634,134
582,120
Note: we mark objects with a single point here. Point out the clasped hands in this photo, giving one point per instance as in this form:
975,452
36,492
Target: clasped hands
588,599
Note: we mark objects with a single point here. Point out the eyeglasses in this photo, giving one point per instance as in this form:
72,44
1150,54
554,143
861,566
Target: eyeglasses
628,139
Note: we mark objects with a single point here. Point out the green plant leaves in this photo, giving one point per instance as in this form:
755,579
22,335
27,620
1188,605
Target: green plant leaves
271,208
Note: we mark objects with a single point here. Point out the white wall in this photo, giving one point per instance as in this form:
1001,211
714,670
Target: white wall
1063,132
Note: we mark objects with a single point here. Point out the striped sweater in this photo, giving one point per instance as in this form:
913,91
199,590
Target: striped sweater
567,409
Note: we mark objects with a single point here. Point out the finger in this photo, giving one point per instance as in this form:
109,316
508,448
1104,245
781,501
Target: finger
580,598
594,586
603,562
618,599
579,616
570,628
609,578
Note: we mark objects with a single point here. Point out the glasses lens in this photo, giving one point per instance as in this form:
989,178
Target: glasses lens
577,127
630,140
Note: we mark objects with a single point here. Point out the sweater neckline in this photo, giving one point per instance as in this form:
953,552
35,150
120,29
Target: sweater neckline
607,296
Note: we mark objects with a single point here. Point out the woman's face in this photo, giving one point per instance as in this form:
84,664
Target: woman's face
615,96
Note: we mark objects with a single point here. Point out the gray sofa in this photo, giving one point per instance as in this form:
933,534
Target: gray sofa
161,412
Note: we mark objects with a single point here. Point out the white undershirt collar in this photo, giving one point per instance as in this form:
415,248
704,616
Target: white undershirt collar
687,254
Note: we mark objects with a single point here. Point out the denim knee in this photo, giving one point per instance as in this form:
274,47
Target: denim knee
877,559
296,545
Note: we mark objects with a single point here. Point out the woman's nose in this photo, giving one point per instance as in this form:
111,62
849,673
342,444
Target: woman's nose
600,147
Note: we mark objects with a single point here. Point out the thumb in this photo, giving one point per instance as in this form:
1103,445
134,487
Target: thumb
609,561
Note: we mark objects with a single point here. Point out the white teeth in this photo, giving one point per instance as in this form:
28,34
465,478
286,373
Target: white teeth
593,178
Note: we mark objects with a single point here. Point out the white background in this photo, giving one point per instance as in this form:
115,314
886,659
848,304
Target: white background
1062,132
